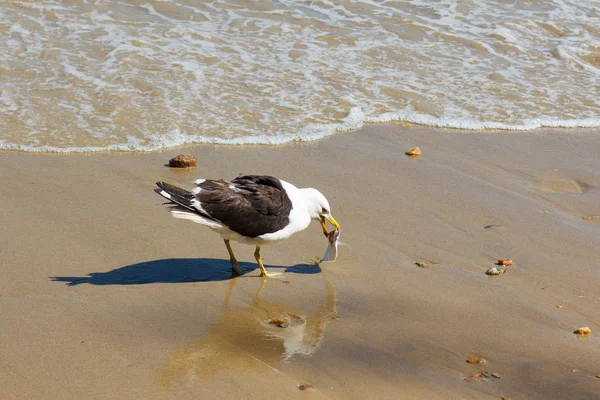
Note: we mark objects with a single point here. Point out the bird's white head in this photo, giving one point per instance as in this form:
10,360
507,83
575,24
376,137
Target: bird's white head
319,209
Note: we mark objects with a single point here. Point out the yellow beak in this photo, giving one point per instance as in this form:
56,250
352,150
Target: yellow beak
332,221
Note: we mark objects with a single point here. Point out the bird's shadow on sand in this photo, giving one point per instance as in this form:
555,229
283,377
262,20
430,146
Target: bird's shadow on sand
176,270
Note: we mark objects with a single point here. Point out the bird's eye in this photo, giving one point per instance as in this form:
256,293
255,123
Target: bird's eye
323,210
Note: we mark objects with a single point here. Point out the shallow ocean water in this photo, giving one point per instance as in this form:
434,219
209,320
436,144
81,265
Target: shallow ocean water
143,75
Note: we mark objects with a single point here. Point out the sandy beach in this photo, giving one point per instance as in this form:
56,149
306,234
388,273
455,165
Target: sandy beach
105,296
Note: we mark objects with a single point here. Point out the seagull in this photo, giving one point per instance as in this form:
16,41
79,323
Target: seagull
251,209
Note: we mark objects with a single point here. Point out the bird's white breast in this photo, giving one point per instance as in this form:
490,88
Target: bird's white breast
299,217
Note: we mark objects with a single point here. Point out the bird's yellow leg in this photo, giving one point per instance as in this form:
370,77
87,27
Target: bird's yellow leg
234,262
263,271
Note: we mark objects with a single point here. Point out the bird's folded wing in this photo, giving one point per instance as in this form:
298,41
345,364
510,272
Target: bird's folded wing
249,207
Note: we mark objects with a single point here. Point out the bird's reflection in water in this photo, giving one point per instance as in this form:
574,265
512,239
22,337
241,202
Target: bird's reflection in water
247,339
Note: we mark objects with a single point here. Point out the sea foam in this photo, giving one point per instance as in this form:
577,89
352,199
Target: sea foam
115,76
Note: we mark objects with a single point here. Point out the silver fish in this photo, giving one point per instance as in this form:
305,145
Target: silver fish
332,249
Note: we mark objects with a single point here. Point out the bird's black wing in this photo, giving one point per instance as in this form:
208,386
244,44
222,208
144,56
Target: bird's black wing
250,205
181,197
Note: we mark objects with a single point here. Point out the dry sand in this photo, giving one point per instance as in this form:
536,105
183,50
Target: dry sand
105,296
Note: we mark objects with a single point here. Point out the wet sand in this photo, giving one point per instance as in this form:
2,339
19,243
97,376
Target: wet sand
104,295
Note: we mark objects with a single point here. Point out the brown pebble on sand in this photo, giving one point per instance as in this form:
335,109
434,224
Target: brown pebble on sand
472,378
507,262
280,322
415,151
182,161
422,264
583,331
476,360
592,218
306,387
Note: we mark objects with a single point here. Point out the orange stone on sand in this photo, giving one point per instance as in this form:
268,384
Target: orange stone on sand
415,151
583,331
306,387
182,161
280,321
476,360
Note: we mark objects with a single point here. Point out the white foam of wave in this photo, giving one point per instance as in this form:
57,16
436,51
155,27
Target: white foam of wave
574,55
355,120
470,124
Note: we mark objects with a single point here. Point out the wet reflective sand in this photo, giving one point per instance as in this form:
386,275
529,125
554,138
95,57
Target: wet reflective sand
104,295
242,340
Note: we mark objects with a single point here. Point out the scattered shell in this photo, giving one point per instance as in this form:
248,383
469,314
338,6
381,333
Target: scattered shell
415,151
496,270
285,320
487,374
558,306
592,218
182,161
476,360
280,322
492,226
598,376
583,331
306,386
476,376
508,262
422,264
574,370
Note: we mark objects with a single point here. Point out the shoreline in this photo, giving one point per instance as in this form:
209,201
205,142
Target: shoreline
106,295
297,141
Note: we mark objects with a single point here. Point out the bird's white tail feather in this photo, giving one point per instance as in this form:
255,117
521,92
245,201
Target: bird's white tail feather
195,218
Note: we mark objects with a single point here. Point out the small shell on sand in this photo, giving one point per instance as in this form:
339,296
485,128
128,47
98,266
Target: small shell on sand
415,151
508,262
592,218
472,378
492,226
306,387
182,161
476,360
286,320
280,322
422,264
583,331
496,270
